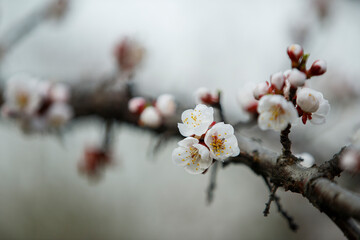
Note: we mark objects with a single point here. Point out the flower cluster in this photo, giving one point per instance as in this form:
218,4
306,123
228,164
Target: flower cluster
153,114
205,140
285,97
37,105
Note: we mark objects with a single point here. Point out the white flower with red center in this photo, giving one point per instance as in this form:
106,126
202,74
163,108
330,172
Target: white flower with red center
166,105
221,141
22,95
150,117
312,106
275,112
197,121
191,155
205,96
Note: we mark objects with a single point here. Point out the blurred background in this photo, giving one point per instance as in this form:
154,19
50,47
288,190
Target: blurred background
189,44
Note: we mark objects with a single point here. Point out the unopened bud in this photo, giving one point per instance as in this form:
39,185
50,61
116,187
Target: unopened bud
260,90
317,68
295,52
277,80
205,96
129,54
137,105
150,117
166,105
296,78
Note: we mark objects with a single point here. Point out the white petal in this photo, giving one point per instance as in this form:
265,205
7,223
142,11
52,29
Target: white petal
180,157
317,119
184,130
188,142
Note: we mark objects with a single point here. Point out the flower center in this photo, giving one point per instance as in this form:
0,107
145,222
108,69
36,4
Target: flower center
22,100
217,144
194,153
276,111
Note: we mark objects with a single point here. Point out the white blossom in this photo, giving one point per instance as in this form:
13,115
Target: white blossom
319,117
22,94
295,77
260,90
307,159
277,80
59,114
150,117
222,141
308,99
275,112
197,121
136,104
191,155
166,105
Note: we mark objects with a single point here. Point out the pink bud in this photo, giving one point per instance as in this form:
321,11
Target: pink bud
317,68
260,90
137,105
295,52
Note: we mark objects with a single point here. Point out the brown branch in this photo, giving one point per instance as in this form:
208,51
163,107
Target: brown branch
212,184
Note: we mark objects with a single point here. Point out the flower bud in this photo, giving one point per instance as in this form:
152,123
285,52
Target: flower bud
317,68
307,159
150,117
166,105
296,78
308,100
129,54
350,160
295,52
260,90
137,105
205,96
277,80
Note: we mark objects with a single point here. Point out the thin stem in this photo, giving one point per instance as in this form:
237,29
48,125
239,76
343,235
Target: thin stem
292,225
212,184
271,198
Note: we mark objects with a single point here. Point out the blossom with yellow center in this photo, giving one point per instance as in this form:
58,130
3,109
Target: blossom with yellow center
197,121
191,155
275,112
222,142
